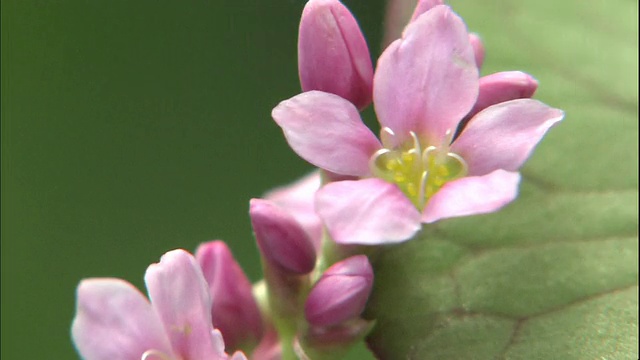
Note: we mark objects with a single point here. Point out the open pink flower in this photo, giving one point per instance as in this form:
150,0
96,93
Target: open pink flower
425,84
114,321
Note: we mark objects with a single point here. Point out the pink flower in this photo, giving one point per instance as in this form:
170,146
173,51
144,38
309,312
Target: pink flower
114,321
425,85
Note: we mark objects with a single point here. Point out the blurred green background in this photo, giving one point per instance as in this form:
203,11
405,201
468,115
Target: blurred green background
130,128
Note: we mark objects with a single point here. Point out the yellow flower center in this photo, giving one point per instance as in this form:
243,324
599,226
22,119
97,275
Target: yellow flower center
419,172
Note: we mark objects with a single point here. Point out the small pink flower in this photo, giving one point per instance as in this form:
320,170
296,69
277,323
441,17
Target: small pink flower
424,87
114,321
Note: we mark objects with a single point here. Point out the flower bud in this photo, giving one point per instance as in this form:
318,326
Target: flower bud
332,53
503,86
298,199
282,241
341,293
234,311
498,88
478,49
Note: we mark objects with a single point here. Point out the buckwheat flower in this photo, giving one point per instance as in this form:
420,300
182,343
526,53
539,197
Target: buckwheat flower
114,321
425,84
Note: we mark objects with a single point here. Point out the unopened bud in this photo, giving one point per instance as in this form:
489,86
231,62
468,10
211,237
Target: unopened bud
281,239
478,49
341,293
503,86
298,199
332,53
234,311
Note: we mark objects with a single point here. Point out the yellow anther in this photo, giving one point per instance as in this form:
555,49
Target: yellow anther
419,174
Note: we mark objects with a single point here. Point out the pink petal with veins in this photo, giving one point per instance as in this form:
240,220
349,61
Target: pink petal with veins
367,212
180,294
114,320
472,195
503,136
326,130
427,81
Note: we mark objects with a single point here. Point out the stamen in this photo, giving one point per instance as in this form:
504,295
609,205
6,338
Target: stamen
418,172
387,137
423,186
425,155
465,167
154,355
378,166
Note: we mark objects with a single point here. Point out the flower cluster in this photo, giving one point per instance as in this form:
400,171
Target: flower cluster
451,145
451,141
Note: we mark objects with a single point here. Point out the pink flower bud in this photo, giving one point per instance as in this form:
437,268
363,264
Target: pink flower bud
332,53
234,310
478,48
498,88
503,86
281,239
341,293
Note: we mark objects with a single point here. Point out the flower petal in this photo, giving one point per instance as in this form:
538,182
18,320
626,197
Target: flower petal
504,135
472,195
115,321
332,53
180,295
367,212
423,6
428,80
326,130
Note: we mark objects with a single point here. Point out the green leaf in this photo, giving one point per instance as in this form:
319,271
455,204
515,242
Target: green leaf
555,274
